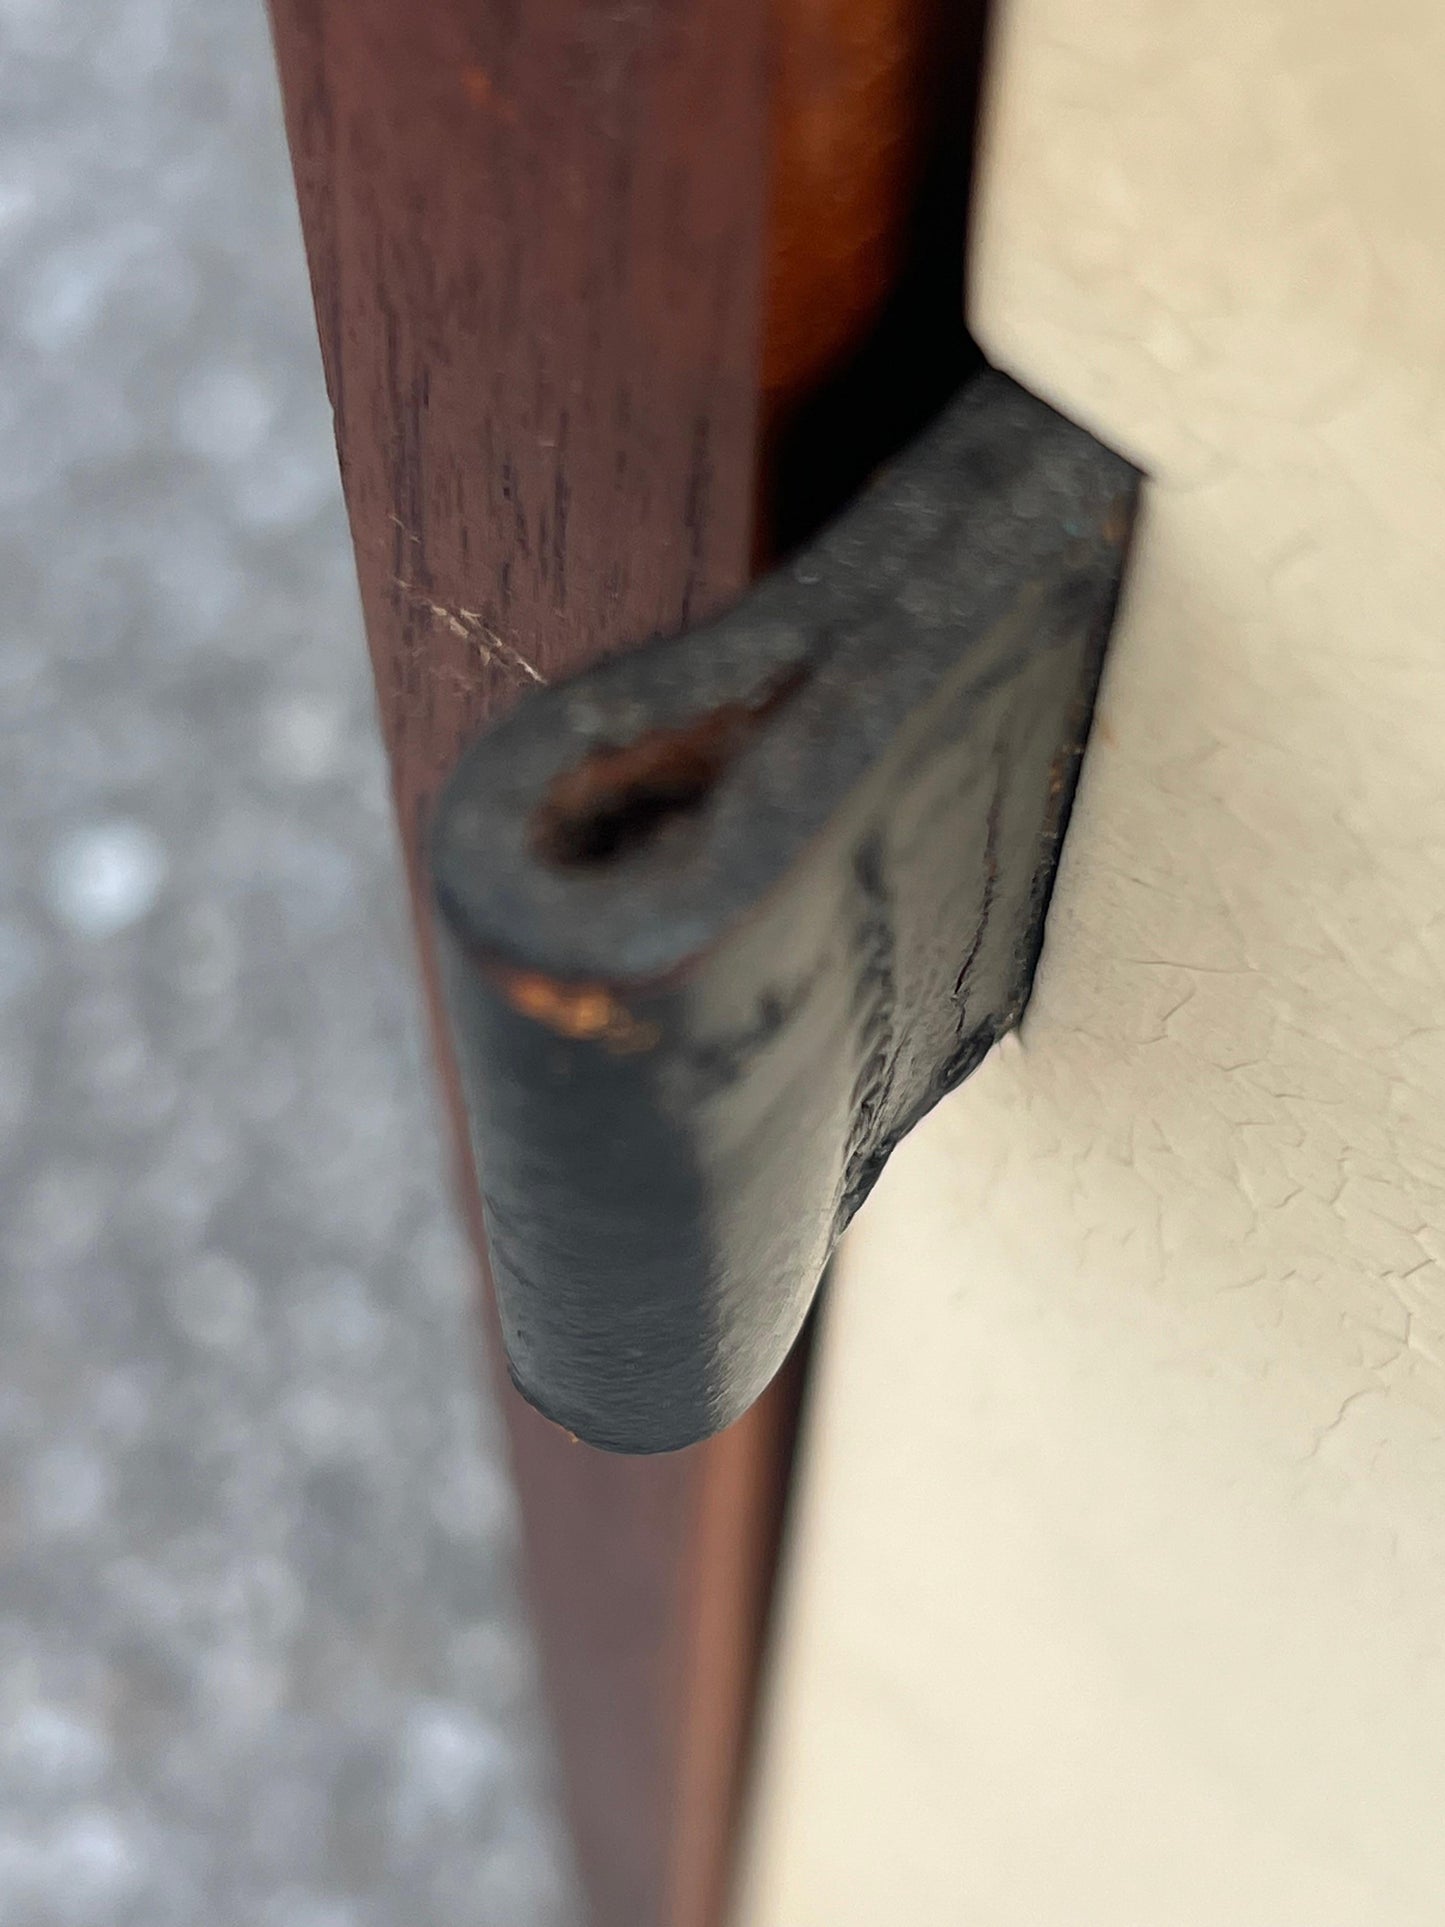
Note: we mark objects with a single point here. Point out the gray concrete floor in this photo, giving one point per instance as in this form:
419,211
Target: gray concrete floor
261,1654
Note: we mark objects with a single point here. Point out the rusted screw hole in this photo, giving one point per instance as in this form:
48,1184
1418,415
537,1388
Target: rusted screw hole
620,799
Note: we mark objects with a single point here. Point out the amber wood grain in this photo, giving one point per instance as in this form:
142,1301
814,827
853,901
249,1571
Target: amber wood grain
534,231
545,258
849,131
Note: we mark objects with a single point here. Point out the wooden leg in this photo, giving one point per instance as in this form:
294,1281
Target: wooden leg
539,240
534,234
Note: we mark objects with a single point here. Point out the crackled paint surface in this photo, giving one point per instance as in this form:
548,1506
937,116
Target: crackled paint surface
1119,1588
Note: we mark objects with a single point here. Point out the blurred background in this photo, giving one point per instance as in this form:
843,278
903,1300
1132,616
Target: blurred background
262,1655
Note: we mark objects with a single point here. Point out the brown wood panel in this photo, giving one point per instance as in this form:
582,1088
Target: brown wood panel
551,274
534,236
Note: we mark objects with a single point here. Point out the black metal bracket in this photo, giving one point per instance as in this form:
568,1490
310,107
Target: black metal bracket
723,918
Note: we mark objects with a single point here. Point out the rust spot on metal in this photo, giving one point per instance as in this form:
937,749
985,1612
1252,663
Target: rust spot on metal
620,798
585,1012
1119,519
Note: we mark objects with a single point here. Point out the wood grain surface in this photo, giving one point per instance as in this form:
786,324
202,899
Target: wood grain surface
534,233
559,251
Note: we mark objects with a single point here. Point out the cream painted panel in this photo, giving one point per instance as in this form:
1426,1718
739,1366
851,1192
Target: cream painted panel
1118,1589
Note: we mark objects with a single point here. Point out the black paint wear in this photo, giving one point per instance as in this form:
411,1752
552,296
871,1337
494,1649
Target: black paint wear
725,917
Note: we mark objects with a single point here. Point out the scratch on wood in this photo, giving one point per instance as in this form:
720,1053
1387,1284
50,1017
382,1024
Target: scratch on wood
469,626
